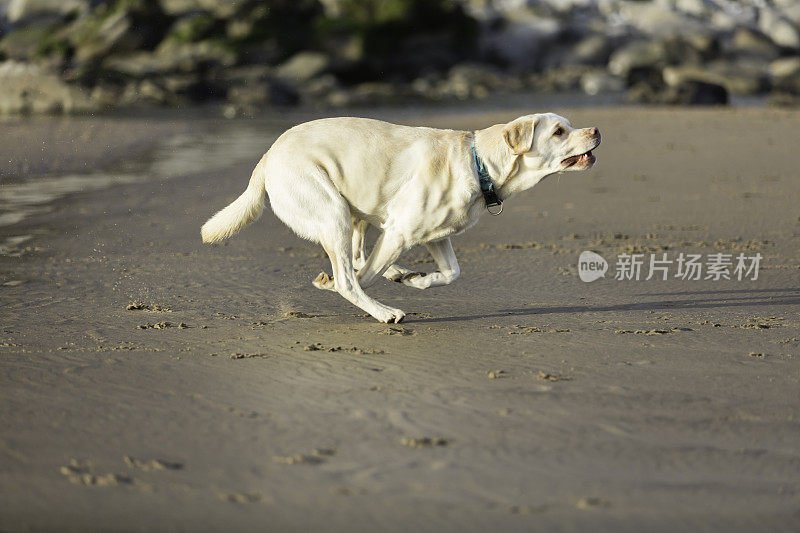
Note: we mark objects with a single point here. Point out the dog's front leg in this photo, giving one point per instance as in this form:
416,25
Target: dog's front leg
445,257
394,272
385,252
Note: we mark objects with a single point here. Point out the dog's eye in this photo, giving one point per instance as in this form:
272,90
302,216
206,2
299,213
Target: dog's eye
558,132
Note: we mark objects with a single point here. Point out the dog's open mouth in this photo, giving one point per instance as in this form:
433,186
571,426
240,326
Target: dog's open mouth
581,160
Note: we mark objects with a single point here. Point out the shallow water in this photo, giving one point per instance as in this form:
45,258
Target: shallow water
214,145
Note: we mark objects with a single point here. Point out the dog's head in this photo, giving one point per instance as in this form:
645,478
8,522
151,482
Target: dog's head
548,142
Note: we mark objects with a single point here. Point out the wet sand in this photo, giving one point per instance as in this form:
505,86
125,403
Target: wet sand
150,382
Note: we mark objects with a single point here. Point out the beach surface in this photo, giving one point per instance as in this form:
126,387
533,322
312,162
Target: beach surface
149,382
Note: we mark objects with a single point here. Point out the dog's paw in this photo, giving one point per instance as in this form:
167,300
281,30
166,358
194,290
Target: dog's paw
324,281
415,279
396,273
388,315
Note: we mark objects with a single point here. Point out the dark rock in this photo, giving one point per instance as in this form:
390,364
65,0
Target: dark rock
571,49
120,27
789,84
49,10
254,93
172,90
106,94
248,99
745,76
247,25
405,38
188,86
654,19
785,66
279,27
27,88
267,92
637,55
189,57
319,88
740,78
474,80
697,8
593,50
220,9
785,83
28,42
684,85
522,43
139,64
282,94
748,43
247,74
260,53
706,45
425,87
644,93
782,31
303,66
563,78
692,92
369,93
372,93
146,92
631,60
256,85
783,99
193,28
172,57
599,81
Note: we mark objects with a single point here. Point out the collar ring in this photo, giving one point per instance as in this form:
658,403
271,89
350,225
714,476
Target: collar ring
490,197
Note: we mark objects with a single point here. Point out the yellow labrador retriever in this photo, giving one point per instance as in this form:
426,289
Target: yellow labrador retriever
329,179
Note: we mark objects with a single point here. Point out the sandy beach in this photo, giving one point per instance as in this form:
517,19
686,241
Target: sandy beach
149,382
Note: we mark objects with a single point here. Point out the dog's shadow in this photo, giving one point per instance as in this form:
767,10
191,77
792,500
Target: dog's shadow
726,299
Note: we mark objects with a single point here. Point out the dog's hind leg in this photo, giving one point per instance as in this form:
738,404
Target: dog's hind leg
346,282
337,241
359,234
359,230
445,257
324,281
305,199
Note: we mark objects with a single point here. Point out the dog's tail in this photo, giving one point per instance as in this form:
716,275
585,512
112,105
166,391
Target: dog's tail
241,212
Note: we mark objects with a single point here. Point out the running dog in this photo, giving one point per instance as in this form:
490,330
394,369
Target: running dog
330,179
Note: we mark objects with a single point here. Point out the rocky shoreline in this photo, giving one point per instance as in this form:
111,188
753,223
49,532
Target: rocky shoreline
88,56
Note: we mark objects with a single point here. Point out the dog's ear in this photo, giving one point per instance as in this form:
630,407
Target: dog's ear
519,134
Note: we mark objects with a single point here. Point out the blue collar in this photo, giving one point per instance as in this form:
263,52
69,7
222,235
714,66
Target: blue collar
487,187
